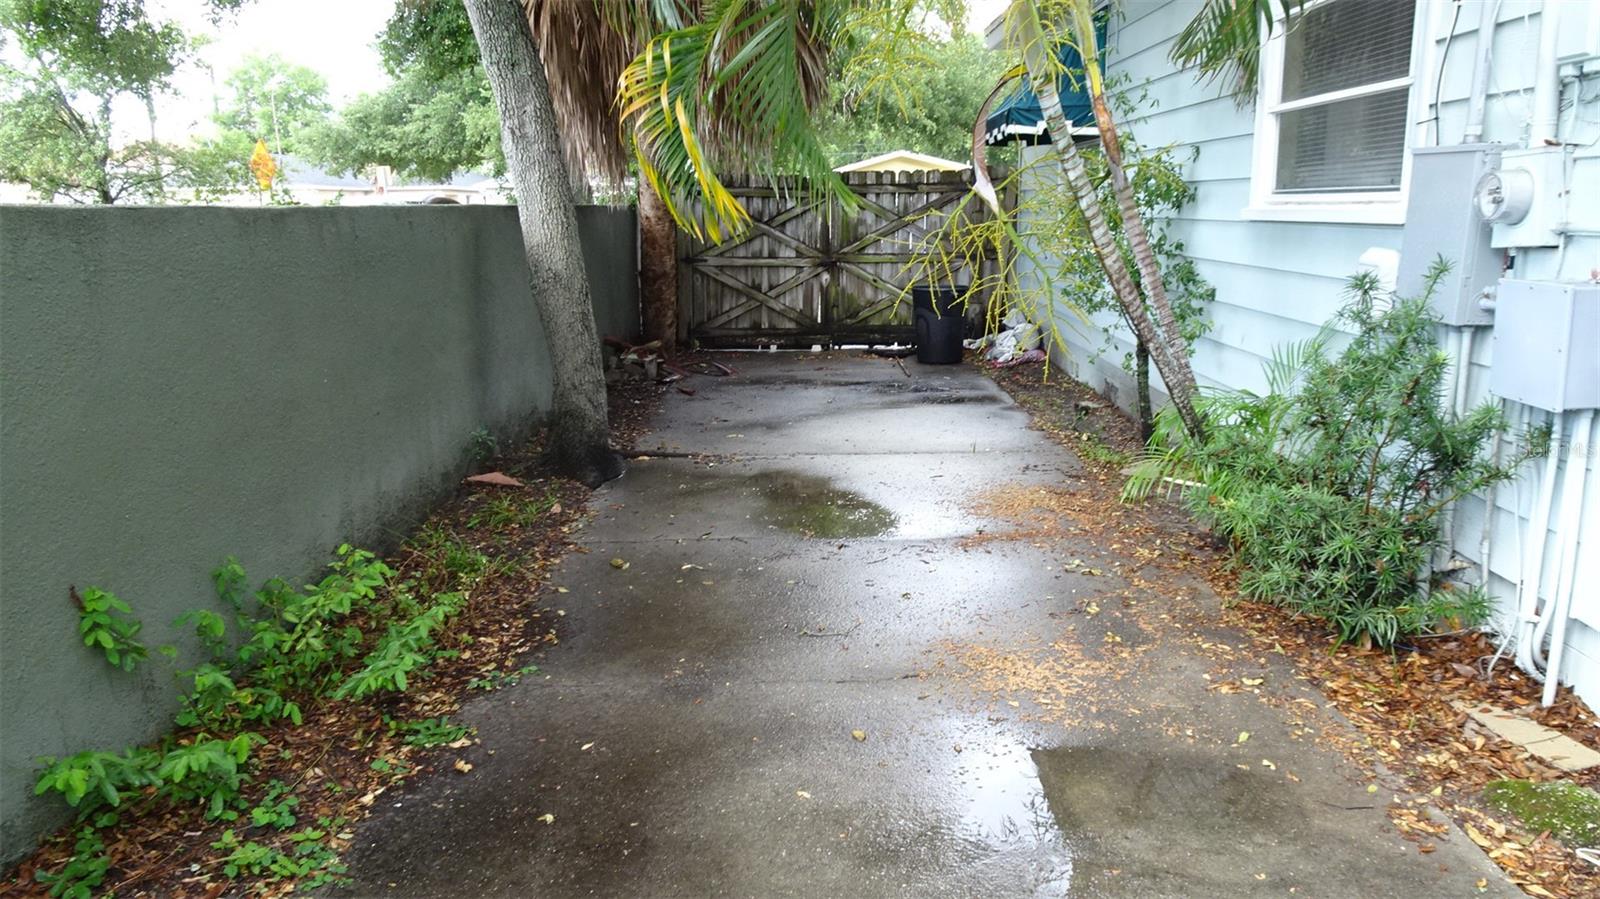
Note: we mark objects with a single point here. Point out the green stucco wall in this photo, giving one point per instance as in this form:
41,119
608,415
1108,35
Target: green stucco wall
182,384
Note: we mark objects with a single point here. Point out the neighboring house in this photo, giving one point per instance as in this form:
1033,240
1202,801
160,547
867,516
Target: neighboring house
1357,153
904,161
304,183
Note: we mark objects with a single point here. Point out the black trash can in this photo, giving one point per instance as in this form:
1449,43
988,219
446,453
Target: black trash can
940,324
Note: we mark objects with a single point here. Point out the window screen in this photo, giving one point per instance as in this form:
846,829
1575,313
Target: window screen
1346,44
1350,145
1356,143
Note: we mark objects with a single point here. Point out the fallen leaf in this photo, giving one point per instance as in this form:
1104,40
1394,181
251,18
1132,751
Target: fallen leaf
1251,681
802,794
495,479
463,765
1244,735
620,564
555,509
859,735
546,818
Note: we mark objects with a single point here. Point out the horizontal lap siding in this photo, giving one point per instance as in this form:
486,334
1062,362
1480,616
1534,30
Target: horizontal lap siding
1276,282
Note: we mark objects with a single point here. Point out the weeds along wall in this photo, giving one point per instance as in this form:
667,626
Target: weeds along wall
182,384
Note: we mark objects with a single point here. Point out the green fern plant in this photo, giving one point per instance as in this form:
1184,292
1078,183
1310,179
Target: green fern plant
1330,485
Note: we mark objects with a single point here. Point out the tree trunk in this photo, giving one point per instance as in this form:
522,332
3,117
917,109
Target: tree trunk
150,113
1144,256
658,268
1141,375
1180,383
579,440
102,174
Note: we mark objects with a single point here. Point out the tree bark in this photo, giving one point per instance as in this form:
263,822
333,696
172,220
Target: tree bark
658,269
1141,376
579,434
1144,256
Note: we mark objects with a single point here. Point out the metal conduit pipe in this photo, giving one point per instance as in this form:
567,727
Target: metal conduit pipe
1485,543
1532,569
1478,99
1572,490
1546,117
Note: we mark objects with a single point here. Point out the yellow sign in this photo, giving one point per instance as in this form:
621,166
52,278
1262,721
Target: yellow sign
262,165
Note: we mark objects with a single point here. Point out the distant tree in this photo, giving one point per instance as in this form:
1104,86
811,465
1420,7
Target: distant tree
935,118
74,58
421,125
274,100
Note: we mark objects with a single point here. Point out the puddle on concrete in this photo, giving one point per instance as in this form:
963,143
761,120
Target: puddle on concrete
1178,825
812,507
1001,814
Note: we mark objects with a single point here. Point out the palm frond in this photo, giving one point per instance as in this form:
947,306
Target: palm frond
736,90
585,45
1223,41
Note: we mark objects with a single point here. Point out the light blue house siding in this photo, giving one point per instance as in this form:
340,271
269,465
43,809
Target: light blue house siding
1278,281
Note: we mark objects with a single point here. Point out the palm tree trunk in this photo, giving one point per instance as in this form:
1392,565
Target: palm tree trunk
579,441
1179,378
1179,381
1141,380
658,268
1144,256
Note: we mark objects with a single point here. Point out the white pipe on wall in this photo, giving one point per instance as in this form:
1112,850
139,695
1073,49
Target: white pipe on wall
1532,570
1572,490
1478,98
1546,83
1486,534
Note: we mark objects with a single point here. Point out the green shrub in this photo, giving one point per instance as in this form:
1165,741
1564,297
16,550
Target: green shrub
1330,486
102,623
84,870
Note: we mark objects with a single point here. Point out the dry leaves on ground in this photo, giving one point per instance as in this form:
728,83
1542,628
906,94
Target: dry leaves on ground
1392,714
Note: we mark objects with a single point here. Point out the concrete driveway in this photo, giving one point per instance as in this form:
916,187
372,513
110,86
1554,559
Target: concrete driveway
808,678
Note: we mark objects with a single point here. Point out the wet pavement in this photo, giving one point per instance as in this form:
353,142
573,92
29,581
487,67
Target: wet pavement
781,693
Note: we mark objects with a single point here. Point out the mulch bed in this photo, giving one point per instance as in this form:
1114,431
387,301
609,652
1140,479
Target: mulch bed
328,761
1394,714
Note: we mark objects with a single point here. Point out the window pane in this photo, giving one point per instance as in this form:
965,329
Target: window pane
1347,43
1355,144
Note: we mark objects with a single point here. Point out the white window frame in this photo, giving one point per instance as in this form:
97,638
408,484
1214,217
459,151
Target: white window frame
1383,207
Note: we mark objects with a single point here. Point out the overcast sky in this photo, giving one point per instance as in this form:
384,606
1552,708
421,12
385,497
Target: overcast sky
334,37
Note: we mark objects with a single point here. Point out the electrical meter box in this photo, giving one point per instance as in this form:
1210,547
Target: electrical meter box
1547,344
1524,198
1441,221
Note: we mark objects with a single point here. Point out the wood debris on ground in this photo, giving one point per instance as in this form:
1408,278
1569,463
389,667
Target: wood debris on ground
345,756
1396,715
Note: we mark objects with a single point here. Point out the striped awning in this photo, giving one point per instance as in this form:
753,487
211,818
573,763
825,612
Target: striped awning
1018,117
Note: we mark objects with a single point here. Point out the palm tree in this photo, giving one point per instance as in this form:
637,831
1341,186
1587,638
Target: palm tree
736,86
1030,32
585,45
762,63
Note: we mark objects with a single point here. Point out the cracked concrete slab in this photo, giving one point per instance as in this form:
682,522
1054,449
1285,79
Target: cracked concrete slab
693,733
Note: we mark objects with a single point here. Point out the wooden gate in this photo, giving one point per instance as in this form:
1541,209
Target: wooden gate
806,273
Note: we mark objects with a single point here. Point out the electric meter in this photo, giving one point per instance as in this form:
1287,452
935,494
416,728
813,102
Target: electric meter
1503,197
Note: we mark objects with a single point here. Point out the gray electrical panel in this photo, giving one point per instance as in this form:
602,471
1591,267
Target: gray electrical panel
1547,344
1441,220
